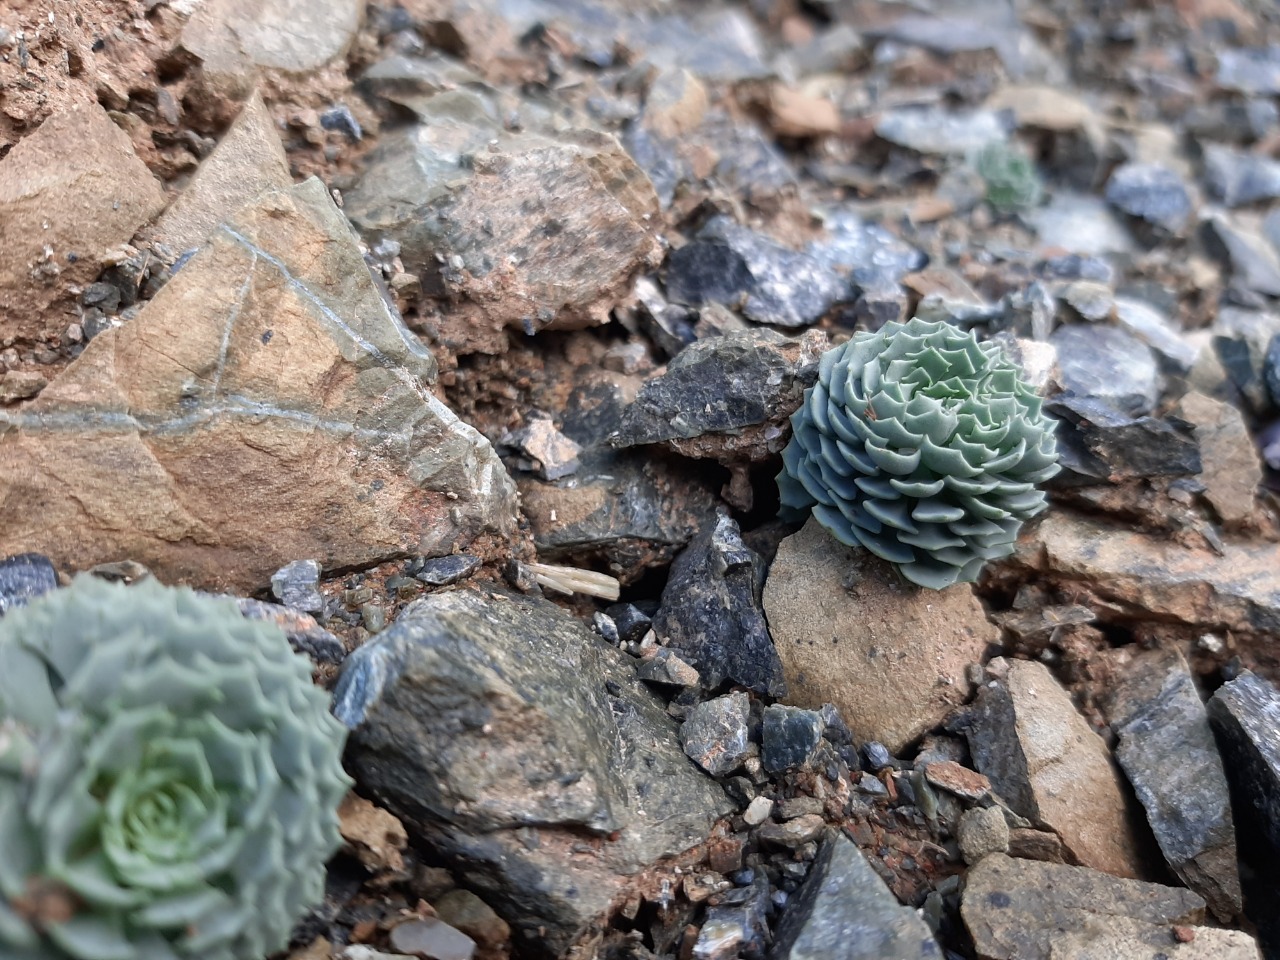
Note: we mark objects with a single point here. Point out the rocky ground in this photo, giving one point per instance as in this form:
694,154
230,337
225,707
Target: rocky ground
460,337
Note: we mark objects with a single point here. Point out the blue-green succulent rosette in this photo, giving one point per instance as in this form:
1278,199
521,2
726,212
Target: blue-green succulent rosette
922,445
169,778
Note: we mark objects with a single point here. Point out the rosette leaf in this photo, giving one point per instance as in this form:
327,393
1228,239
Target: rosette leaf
923,445
169,778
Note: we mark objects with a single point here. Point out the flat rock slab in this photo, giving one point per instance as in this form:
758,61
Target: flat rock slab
1167,751
175,441
1019,909
891,657
844,911
1119,939
1143,577
508,736
295,36
70,192
248,160
1042,758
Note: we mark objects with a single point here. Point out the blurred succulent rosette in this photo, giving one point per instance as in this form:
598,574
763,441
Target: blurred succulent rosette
169,778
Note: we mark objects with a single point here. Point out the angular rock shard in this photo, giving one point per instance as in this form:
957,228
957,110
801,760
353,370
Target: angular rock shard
1026,735
247,161
844,911
508,736
711,614
176,441
1167,751
1246,715
69,193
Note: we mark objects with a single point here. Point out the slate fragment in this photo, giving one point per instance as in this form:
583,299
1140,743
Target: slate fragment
711,616
506,736
844,911
1167,751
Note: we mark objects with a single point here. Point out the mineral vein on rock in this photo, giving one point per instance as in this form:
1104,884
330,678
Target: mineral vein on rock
178,441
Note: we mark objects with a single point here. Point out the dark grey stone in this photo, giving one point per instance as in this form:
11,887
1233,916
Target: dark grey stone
657,158
790,737
871,254
1242,340
503,732
1104,363
1237,178
442,571
1245,714
711,612
844,911
706,271
340,118
737,925
1167,751
715,733
735,266
1271,370
1250,70
751,164
632,622
1107,445
1152,193
877,755
628,508
1073,266
1232,121
722,384
1253,263
23,577
304,634
297,585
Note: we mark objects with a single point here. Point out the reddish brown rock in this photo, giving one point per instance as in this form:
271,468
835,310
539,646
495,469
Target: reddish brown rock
890,656
70,194
174,440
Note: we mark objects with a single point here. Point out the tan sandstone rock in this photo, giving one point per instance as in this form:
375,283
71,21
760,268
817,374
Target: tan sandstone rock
70,193
247,161
1232,467
892,657
1043,759
1024,910
264,406
233,36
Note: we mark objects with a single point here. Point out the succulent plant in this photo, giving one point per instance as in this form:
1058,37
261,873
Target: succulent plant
1010,176
922,445
169,778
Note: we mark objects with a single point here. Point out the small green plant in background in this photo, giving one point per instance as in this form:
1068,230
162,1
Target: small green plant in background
1010,175
169,778
923,445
